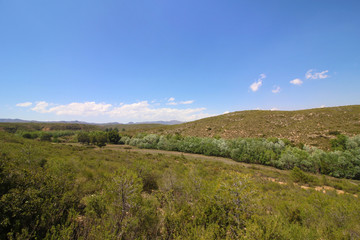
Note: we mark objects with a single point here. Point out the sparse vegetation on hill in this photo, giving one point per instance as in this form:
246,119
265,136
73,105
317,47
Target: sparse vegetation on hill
315,127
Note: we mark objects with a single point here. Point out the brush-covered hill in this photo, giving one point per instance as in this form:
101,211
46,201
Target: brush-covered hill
313,126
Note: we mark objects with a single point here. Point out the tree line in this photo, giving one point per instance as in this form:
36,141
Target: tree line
342,162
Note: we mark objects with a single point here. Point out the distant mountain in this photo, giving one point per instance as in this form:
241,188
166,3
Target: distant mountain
16,120
10,120
172,122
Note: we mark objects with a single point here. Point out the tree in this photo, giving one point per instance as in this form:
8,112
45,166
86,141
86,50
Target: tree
45,137
113,136
101,139
339,143
83,138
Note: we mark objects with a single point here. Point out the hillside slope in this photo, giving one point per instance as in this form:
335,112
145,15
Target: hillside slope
313,126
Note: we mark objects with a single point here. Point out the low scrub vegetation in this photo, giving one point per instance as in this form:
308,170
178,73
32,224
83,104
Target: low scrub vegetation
55,191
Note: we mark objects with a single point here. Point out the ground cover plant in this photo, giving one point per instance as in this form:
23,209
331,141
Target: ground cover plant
57,191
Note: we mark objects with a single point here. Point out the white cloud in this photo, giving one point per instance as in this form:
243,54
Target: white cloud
316,75
226,112
41,107
24,104
186,102
139,111
73,109
296,81
257,84
179,103
172,103
322,106
144,111
171,99
276,89
82,109
274,109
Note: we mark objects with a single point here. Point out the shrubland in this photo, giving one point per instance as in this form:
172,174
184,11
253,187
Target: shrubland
57,191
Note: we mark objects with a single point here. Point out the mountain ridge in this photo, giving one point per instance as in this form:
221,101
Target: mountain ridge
17,120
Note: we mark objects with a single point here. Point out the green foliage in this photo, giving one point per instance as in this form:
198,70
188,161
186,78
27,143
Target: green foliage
299,176
101,139
45,136
83,137
27,135
97,138
32,198
339,143
113,136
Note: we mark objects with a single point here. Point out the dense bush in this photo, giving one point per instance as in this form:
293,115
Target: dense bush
45,136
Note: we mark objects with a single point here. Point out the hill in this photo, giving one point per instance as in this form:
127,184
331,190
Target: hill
313,126
13,125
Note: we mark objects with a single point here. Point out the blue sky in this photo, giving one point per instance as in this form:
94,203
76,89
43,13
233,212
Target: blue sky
105,61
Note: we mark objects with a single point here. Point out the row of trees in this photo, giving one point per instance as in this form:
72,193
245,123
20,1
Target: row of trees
99,138
343,162
46,135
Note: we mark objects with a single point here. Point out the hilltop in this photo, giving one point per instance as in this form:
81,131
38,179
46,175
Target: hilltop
313,126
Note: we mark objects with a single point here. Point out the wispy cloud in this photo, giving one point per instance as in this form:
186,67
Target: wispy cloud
143,110
24,104
186,102
296,81
276,89
257,84
172,102
139,111
316,75
41,107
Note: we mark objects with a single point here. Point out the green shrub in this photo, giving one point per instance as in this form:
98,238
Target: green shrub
45,137
299,176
